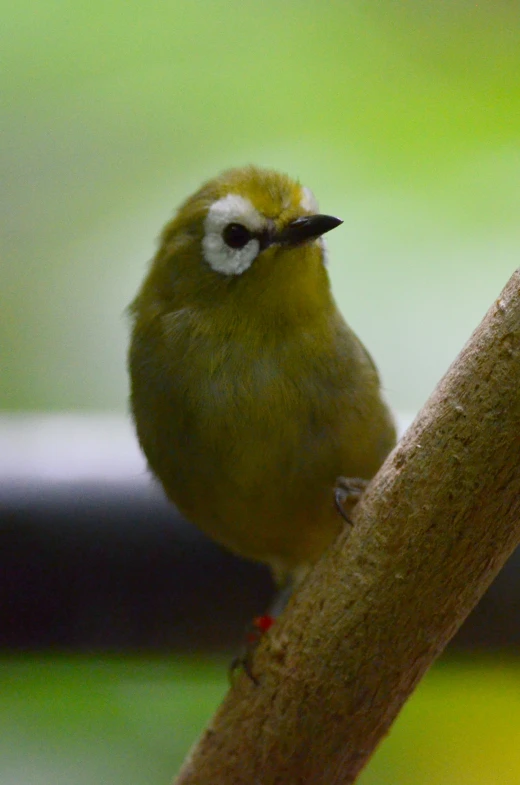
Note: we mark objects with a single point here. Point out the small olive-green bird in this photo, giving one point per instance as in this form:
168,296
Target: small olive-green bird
250,393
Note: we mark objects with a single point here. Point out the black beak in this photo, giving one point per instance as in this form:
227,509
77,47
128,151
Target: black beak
308,227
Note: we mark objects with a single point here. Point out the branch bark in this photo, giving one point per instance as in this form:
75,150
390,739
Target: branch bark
431,532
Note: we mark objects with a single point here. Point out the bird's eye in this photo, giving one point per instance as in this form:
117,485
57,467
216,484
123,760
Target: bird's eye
236,235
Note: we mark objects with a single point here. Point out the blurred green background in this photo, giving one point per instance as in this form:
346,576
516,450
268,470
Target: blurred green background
91,721
404,119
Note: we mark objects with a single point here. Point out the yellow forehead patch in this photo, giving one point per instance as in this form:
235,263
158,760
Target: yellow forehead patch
272,193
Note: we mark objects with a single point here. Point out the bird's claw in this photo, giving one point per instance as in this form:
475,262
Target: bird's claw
347,493
244,661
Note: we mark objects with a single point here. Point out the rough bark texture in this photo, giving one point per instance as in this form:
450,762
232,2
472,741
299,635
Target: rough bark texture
432,531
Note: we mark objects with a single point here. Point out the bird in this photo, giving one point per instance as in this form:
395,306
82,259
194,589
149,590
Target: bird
249,392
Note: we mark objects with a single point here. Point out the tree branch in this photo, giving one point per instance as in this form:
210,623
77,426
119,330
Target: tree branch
435,526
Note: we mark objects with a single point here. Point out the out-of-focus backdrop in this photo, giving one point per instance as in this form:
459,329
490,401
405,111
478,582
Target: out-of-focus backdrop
404,119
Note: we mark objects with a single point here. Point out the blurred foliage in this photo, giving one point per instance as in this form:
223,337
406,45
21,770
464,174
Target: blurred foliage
403,118
92,720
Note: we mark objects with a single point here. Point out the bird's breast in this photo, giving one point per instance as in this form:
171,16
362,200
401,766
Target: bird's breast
249,437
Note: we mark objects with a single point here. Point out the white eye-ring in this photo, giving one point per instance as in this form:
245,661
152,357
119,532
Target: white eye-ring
230,245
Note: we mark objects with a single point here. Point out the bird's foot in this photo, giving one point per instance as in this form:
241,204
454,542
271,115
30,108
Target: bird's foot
258,628
347,493
244,661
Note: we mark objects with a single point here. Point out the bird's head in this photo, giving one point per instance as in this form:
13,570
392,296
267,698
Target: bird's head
249,230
